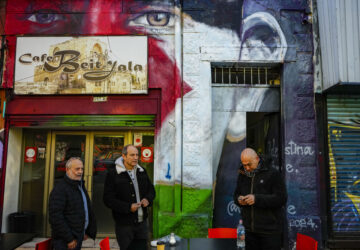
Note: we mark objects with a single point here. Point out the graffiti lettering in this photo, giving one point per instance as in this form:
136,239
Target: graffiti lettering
232,208
289,168
294,149
291,209
274,150
303,223
168,176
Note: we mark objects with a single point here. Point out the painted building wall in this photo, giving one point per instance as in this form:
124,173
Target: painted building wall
183,41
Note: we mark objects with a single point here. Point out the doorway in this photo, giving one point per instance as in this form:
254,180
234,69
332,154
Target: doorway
263,135
98,150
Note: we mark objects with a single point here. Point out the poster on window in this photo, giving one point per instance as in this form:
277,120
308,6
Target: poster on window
138,139
147,154
81,65
30,154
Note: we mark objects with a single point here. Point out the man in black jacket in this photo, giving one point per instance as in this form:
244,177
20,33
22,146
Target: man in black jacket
261,193
70,213
128,192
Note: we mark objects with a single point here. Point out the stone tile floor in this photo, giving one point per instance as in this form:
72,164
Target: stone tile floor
89,244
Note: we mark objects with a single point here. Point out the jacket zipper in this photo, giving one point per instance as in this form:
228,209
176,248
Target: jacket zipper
252,207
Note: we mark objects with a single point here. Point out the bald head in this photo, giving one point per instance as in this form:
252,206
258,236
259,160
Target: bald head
249,159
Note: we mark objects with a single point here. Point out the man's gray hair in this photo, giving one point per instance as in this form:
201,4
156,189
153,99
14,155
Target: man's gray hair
69,162
125,149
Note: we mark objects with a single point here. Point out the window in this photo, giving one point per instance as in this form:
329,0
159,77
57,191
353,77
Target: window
245,74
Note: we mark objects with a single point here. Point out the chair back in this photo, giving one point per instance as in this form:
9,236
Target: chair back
304,242
105,244
43,245
222,233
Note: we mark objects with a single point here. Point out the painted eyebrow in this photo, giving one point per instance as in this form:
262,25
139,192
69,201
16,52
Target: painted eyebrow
55,6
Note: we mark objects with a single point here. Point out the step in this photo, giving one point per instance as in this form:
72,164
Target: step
88,244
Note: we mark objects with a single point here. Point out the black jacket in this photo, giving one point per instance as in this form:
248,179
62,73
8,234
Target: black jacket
119,194
66,211
268,187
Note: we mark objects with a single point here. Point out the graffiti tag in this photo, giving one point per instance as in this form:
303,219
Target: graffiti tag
168,176
291,209
294,149
232,208
290,168
303,223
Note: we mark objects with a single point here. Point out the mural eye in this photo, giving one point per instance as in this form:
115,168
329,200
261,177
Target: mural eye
44,17
158,19
153,20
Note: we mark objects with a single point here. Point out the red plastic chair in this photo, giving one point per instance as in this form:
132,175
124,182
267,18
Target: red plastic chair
43,245
105,244
304,242
222,233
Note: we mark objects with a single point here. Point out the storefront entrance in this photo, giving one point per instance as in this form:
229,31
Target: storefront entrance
45,155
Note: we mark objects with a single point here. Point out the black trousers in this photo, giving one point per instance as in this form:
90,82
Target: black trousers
132,237
59,244
261,241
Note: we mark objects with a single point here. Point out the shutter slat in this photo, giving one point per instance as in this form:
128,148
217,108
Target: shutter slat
344,159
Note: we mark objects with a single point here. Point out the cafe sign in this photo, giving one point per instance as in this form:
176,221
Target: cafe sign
81,65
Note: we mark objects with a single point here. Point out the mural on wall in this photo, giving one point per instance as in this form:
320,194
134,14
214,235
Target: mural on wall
82,65
210,31
230,119
344,176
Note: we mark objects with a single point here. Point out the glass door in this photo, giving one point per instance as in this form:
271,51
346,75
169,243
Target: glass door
105,149
65,145
144,142
98,151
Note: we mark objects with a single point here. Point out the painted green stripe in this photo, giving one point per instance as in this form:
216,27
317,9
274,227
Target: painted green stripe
192,221
100,121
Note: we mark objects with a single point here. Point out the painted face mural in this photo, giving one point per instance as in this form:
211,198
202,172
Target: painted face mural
212,31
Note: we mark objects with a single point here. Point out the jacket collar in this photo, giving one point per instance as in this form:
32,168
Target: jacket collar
261,167
74,183
120,167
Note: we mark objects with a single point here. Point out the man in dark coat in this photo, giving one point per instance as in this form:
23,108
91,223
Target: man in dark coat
70,213
261,194
128,192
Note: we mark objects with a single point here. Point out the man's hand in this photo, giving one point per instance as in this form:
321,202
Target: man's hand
144,202
72,244
134,207
241,200
249,199
85,237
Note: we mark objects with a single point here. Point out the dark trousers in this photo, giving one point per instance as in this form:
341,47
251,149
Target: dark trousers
59,244
260,241
132,237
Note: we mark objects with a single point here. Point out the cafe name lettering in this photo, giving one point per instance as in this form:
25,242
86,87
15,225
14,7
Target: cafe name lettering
69,62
